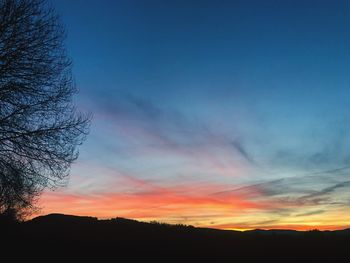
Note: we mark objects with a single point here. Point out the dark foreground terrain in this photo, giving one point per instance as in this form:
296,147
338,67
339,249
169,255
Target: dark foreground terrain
121,240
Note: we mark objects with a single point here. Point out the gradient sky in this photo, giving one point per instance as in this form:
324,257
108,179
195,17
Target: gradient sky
225,114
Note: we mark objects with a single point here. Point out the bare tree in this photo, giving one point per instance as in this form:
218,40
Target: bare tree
40,128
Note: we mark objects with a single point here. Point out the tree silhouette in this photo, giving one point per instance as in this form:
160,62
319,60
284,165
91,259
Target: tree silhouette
40,128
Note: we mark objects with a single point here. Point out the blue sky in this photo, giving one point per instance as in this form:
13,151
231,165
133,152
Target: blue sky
196,101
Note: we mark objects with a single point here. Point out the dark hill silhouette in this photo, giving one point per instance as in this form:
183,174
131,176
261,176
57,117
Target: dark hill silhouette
60,219
119,238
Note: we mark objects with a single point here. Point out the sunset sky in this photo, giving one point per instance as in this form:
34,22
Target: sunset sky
223,114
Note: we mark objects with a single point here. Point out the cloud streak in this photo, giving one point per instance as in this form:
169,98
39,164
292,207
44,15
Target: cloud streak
145,128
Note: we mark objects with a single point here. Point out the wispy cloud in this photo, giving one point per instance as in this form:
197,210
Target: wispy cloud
311,213
151,201
143,128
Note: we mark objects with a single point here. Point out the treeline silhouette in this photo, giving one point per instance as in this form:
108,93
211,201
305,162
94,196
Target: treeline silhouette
119,238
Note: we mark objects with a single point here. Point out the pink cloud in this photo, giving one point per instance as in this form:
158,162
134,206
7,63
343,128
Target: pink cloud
149,201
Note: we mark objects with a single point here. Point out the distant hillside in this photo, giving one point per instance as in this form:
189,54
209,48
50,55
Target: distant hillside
88,236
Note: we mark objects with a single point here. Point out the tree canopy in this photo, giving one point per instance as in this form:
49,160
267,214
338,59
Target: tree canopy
40,128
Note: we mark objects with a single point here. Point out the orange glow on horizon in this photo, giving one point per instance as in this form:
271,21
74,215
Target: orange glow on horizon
174,205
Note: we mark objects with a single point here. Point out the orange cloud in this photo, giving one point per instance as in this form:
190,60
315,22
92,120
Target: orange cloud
199,204
150,202
182,204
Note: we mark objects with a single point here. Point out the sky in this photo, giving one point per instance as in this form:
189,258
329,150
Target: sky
223,114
